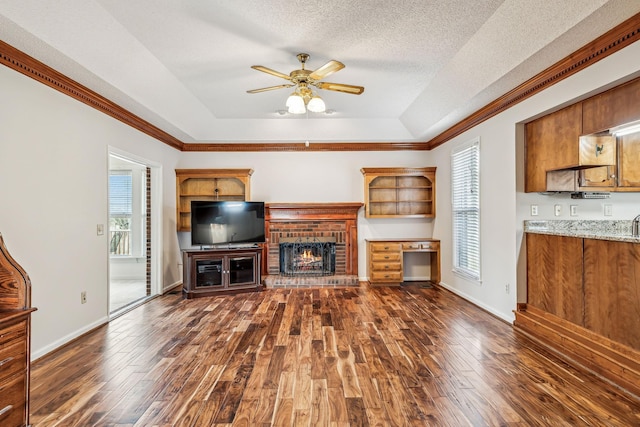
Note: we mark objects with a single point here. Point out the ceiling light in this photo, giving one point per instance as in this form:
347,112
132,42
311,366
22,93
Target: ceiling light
303,99
295,104
626,129
316,105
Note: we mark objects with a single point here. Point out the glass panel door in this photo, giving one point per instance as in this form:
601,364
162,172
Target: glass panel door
241,270
209,273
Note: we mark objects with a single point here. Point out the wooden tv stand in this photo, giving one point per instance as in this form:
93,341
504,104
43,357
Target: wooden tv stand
385,259
212,272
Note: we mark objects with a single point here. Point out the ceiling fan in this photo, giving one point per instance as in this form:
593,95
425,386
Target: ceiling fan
304,97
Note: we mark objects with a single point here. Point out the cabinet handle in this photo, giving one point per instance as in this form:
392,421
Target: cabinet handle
386,257
5,361
5,409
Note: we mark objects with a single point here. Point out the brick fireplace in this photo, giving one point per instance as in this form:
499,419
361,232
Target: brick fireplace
335,221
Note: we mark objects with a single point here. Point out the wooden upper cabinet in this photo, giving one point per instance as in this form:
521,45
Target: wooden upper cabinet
551,143
629,162
400,192
208,184
612,108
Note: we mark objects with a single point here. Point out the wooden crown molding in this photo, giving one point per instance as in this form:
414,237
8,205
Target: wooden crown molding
31,67
614,40
301,146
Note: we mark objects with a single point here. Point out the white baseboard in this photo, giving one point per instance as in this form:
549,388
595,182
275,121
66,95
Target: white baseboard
40,352
171,287
510,318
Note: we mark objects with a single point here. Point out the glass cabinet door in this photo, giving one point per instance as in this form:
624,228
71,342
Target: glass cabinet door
241,270
209,273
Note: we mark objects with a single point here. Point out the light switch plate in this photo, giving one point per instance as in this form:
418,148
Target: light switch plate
100,229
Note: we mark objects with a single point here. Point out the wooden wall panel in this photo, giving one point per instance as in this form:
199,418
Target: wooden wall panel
612,290
554,275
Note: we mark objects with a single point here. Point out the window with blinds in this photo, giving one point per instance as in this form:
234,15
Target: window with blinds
465,197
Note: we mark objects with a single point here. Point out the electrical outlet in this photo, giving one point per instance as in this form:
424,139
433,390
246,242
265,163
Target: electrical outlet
573,210
608,210
557,210
507,288
83,297
534,210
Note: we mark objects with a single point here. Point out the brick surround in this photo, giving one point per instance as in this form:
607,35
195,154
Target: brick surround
291,220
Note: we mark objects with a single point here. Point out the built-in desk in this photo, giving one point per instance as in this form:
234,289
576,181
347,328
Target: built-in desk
385,259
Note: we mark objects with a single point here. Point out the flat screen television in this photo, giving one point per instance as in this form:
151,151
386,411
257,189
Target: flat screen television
227,223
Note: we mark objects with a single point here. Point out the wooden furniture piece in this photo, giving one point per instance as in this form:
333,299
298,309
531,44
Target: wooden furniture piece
553,142
583,302
208,184
385,259
400,192
221,271
15,341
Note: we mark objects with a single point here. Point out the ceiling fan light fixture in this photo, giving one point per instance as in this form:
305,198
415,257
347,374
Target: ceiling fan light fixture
316,104
295,104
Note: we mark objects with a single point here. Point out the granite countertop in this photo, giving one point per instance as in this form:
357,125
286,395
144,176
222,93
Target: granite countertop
593,229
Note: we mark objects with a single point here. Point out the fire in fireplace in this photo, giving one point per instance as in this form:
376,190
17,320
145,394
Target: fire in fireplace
308,256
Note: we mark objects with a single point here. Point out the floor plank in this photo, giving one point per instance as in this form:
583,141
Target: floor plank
405,356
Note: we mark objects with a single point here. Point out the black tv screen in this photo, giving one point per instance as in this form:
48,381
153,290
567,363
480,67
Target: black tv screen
227,223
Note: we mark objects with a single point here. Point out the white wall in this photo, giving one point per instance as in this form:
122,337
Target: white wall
504,205
321,177
53,187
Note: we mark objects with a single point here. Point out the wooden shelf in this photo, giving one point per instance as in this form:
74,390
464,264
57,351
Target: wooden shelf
208,184
399,192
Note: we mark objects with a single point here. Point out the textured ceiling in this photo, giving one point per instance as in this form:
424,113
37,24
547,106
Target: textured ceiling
185,65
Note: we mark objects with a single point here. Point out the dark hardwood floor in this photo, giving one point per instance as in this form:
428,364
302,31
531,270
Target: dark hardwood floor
363,356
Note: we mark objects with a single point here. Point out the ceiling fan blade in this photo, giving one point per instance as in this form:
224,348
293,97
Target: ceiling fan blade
339,87
270,71
264,89
328,68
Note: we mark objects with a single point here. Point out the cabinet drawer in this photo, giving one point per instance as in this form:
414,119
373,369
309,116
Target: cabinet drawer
385,247
12,333
386,266
12,401
385,257
430,245
13,358
419,246
386,276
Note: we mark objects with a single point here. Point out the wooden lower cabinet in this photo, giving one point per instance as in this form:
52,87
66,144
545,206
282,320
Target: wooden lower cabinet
554,275
583,301
385,259
612,290
221,271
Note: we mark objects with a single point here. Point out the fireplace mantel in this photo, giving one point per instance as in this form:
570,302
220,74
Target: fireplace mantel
312,211
339,220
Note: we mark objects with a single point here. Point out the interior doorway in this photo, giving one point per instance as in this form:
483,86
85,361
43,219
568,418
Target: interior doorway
131,261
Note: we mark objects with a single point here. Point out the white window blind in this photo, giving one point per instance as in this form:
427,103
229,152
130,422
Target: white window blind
120,193
465,186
